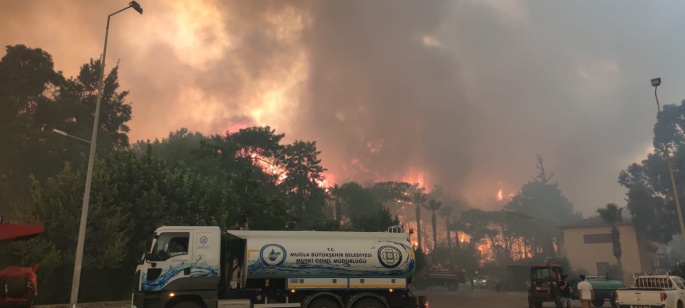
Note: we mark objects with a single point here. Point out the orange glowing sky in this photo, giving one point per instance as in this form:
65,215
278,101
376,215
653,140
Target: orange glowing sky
461,94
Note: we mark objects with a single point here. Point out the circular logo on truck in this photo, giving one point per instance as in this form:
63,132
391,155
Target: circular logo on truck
272,255
203,240
389,256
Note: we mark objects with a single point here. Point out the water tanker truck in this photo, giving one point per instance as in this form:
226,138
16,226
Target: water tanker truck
203,267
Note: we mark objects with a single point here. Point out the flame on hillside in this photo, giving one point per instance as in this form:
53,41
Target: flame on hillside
270,166
416,177
502,197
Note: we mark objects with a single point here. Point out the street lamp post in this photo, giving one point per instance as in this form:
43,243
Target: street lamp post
89,175
656,82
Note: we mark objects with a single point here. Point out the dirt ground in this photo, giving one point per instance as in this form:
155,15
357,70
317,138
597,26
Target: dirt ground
442,298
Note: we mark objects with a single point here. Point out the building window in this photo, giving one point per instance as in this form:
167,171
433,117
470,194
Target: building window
602,268
597,238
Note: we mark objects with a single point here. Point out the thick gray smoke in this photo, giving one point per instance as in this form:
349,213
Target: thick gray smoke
461,94
380,98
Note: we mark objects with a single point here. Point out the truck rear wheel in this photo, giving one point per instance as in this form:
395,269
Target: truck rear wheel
187,304
452,286
599,302
368,302
324,302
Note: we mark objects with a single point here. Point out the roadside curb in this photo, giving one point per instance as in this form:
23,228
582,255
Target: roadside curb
120,304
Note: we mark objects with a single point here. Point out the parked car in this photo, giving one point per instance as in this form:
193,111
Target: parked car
653,291
481,281
437,275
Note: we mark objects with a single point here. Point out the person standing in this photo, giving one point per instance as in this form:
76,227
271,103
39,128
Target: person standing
585,292
565,292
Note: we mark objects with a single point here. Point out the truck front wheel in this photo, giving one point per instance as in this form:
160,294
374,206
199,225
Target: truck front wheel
368,302
323,302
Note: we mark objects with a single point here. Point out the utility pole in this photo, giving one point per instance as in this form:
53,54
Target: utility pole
76,278
656,82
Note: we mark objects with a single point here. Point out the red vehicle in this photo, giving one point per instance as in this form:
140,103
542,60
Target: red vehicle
450,276
18,285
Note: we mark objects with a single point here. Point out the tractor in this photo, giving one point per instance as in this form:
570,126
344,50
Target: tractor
543,284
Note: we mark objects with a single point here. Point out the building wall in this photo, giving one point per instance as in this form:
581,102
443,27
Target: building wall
585,257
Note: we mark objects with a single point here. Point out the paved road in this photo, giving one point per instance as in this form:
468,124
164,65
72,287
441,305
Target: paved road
465,298
437,298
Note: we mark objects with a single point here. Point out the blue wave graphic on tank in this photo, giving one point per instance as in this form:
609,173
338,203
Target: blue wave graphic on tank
347,269
197,269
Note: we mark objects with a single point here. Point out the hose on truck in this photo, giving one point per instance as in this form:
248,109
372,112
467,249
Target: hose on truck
14,287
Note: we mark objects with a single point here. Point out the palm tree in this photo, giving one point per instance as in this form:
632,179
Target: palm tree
446,212
612,215
418,199
457,226
434,206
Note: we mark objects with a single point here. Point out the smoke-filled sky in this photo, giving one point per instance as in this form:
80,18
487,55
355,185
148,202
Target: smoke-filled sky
458,93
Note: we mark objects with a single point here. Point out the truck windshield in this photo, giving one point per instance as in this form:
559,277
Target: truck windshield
169,245
544,273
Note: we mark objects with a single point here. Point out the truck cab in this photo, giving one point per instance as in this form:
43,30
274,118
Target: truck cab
181,258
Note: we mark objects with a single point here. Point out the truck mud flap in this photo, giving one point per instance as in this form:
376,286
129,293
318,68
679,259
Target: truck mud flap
138,300
423,302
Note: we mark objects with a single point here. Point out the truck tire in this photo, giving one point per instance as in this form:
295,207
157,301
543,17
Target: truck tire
599,302
612,301
324,302
187,304
369,302
452,286
531,303
420,284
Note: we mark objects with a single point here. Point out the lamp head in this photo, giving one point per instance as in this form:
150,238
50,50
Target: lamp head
136,7
656,82
57,131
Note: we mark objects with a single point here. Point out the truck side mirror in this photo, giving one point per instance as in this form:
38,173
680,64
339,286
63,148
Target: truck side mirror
148,256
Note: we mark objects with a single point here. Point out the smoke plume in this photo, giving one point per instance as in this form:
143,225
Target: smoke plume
461,94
